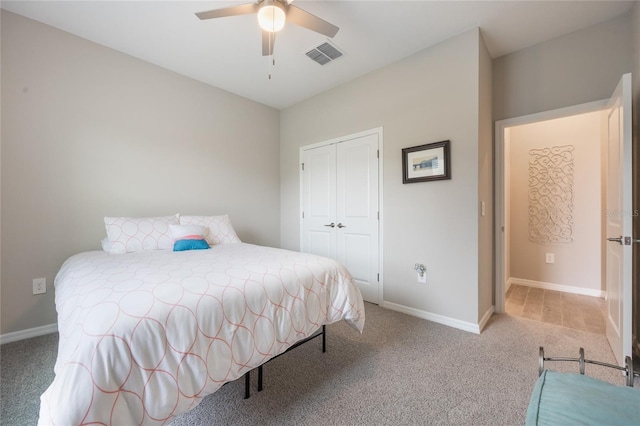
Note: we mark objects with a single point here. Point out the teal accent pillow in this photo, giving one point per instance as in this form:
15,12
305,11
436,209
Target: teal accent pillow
182,245
189,237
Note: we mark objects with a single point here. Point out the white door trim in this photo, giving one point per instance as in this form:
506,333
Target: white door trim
377,131
500,127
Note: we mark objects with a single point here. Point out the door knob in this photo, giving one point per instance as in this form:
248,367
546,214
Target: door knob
616,240
340,225
331,225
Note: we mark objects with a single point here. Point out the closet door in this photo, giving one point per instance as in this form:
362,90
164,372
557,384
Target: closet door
357,212
340,208
319,201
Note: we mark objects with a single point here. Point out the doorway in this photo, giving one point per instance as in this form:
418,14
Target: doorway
617,226
549,224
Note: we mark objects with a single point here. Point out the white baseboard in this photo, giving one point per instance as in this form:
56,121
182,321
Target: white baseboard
485,318
508,284
28,333
556,287
440,319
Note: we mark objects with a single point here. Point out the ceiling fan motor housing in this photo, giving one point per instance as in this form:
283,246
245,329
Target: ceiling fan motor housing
271,15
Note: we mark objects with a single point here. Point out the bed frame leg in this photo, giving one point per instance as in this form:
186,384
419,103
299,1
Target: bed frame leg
324,338
247,375
247,384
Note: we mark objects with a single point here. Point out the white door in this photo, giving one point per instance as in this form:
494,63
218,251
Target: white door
619,221
319,201
340,208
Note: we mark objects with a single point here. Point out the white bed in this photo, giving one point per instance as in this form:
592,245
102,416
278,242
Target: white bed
145,336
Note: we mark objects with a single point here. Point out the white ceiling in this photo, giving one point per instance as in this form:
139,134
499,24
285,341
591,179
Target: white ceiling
226,52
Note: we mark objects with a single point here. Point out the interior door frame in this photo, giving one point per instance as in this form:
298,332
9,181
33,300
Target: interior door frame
500,181
375,131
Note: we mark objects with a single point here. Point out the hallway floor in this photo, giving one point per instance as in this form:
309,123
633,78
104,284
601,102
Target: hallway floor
554,307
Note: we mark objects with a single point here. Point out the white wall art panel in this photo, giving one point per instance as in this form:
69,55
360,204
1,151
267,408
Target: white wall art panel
551,190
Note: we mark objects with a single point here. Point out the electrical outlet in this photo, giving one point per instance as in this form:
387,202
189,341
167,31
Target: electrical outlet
550,258
421,272
39,285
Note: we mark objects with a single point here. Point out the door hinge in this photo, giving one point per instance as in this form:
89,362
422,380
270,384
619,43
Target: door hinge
377,153
303,215
378,215
378,277
302,166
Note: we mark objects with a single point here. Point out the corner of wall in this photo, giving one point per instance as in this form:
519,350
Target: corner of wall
485,180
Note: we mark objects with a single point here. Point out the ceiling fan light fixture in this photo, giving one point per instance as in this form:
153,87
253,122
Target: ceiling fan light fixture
271,15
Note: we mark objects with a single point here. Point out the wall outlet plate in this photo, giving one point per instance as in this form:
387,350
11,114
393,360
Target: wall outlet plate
423,278
550,258
39,285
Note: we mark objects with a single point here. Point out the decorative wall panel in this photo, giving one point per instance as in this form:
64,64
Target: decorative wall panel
551,187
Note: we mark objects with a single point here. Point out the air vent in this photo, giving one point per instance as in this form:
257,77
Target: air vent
324,53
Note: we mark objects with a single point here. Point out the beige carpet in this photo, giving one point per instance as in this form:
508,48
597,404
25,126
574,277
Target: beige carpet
401,370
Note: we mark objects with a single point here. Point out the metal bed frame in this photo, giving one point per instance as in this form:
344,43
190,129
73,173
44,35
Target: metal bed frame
322,331
627,369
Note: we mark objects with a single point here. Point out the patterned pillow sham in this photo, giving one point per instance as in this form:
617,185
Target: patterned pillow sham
128,234
219,228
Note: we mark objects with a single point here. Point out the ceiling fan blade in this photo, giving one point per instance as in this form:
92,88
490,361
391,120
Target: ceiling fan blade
303,18
268,40
243,9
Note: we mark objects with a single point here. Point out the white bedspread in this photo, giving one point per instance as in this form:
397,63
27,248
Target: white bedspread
145,336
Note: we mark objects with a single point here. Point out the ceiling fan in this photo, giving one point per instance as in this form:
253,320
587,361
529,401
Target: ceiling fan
272,15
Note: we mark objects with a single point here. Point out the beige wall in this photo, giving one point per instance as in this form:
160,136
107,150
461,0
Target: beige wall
428,97
580,67
89,132
577,264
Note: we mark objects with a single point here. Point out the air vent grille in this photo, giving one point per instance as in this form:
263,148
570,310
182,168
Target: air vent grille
317,56
324,53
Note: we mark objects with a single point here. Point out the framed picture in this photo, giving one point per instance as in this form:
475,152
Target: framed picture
426,162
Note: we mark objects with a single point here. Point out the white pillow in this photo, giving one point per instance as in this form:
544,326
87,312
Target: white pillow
106,244
127,234
219,228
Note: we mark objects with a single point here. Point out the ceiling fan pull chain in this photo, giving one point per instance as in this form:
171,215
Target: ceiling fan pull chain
269,58
272,59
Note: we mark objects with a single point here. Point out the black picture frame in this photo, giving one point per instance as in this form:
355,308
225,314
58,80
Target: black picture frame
424,163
